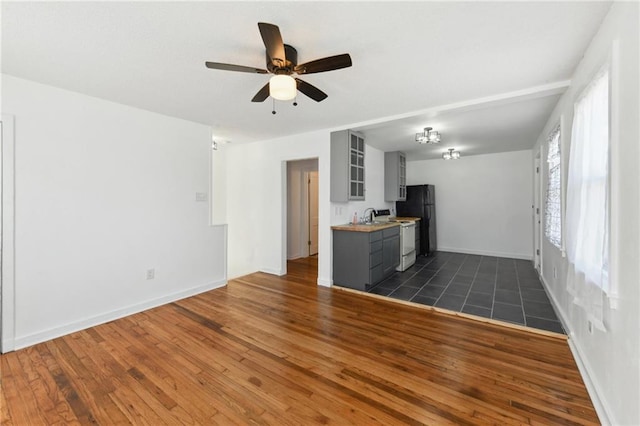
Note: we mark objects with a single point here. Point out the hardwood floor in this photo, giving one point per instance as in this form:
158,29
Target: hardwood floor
280,350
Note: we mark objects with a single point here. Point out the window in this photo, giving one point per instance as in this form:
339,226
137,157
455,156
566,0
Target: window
553,206
587,218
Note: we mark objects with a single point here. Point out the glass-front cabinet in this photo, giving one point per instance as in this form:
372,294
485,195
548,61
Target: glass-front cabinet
356,167
347,166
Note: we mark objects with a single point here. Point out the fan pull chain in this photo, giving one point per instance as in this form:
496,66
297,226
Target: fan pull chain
295,101
273,110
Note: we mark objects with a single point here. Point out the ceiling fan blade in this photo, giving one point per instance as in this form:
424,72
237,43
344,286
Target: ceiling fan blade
262,94
273,42
231,67
325,64
311,91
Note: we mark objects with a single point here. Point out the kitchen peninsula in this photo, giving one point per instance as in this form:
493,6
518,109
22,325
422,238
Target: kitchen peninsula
365,254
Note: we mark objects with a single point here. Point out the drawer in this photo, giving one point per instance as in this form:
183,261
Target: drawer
375,236
390,232
375,258
375,246
375,275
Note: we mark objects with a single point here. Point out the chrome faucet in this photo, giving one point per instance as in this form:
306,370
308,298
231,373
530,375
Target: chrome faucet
368,218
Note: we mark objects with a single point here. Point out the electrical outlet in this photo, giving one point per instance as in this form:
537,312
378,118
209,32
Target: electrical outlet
151,274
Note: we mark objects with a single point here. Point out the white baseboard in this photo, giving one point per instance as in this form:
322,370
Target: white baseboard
43,336
486,253
593,389
273,271
324,282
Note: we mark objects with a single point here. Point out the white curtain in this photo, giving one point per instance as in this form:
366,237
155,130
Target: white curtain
587,215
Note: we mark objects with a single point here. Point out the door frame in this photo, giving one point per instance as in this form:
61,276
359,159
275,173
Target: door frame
537,210
306,210
7,230
286,191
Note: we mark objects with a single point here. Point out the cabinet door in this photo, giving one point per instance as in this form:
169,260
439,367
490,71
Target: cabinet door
390,254
395,176
347,167
356,167
402,177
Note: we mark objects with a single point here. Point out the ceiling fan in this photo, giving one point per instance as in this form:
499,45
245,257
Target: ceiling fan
282,62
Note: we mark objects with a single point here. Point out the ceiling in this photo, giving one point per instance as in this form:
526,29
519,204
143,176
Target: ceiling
485,74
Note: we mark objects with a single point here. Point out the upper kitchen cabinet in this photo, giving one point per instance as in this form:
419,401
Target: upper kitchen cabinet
395,176
347,166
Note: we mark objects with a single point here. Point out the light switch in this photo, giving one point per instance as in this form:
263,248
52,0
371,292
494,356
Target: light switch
201,196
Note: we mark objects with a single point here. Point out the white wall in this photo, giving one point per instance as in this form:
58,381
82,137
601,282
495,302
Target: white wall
256,203
610,360
103,193
297,223
483,202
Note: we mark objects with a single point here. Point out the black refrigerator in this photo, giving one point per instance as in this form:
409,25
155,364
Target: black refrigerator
421,202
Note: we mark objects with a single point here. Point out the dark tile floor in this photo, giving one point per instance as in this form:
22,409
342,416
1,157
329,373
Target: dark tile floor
491,287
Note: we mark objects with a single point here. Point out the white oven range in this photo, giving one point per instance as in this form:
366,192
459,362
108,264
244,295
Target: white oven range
407,244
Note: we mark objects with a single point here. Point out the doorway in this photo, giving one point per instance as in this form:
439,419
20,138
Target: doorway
302,217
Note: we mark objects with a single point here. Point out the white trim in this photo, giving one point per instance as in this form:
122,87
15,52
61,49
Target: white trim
305,225
8,320
284,220
599,404
284,191
324,283
487,253
537,210
52,333
586,372
274,271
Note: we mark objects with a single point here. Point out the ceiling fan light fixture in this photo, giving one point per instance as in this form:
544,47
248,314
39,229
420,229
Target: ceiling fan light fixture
428,136
282,87
433,136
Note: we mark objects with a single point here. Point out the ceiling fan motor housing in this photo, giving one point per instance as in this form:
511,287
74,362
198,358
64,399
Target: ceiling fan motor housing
291,60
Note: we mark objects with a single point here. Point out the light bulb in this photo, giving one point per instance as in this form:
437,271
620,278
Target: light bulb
282,87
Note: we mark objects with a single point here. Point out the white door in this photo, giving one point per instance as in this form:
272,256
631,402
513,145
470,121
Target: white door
537,216
313,212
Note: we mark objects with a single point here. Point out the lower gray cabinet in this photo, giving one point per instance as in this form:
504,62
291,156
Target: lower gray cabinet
390,250
362,259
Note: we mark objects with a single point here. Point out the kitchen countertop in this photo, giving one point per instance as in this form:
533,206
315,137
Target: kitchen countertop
361,227
364,228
